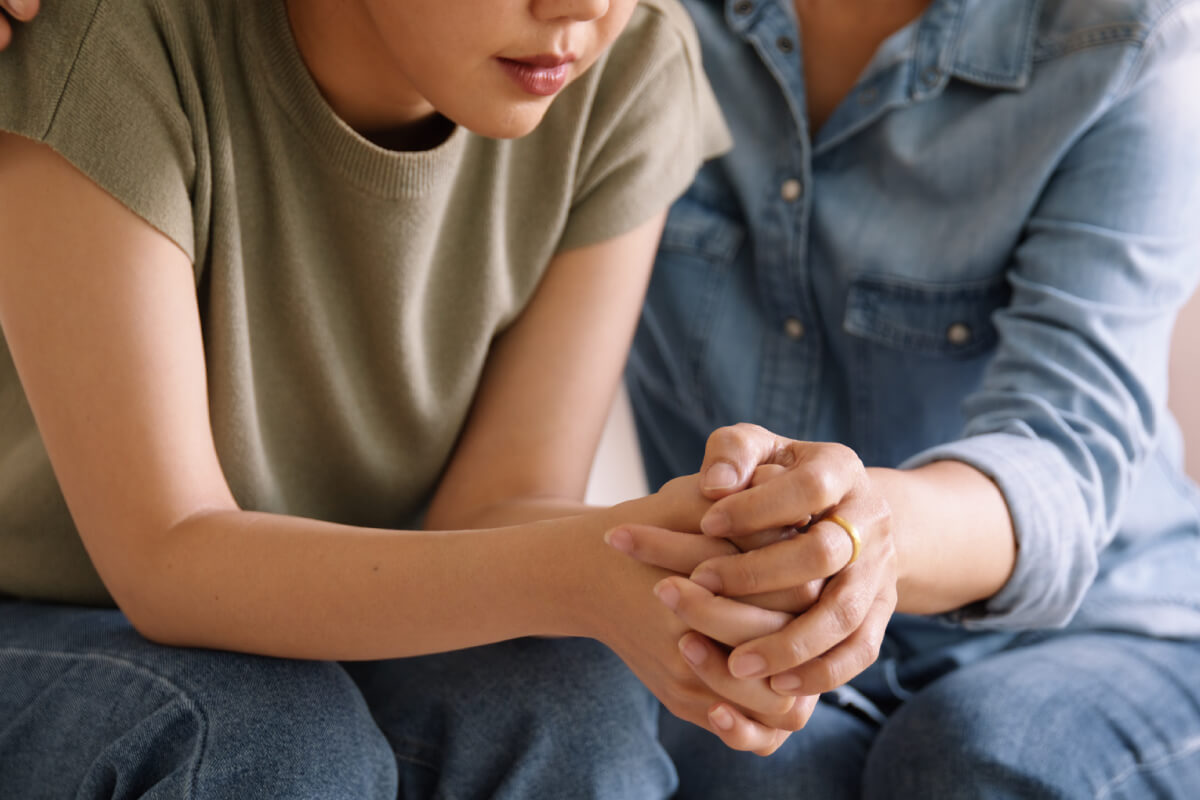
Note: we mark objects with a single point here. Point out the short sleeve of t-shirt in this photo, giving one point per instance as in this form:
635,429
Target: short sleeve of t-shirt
95,80
652,123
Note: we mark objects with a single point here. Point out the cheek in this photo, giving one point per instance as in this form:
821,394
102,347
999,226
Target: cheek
616,19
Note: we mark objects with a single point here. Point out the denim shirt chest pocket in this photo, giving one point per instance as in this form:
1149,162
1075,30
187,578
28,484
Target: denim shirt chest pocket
690,291
916,351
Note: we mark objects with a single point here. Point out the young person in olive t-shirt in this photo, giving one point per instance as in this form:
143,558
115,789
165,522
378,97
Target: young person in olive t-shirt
284,287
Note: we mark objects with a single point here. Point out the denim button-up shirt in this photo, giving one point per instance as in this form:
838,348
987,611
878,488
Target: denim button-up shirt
978,257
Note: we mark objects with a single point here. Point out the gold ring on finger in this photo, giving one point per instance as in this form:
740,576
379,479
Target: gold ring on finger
855,539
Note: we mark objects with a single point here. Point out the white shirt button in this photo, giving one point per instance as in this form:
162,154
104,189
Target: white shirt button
958,334
794,328
791,189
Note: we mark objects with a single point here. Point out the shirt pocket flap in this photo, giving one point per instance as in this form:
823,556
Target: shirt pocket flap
928,319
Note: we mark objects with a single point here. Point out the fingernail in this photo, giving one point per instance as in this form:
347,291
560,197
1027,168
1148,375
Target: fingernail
721,717
747,665
693,651
708,579
619,539
18,7
667,594
715,523
720,476
787,683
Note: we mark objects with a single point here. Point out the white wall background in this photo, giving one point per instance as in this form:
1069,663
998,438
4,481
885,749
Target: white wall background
617,473
1184,396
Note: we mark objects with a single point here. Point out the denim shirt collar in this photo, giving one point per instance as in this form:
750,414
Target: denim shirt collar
996,43
986,42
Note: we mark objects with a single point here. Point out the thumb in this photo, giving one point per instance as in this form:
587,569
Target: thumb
730,457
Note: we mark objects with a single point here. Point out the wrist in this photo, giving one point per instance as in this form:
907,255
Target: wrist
895,486
952,533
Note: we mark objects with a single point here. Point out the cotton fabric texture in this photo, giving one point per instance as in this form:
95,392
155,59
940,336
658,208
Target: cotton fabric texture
348,293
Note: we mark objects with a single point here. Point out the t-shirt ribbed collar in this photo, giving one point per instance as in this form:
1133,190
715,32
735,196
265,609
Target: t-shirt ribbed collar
375,169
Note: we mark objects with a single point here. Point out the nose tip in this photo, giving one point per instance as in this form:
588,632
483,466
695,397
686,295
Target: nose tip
574,10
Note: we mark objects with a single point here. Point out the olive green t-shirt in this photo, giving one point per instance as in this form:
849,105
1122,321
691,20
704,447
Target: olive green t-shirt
348,294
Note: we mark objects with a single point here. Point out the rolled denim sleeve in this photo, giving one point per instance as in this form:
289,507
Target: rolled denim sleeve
1071,405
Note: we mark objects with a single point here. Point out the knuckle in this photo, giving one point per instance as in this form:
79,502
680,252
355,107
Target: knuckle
793,719
871,645
823,674
822,488
849,610
780,707
864,654
751,429
826,558
883,515
795,651
731,437
787,454
740,575
735,740
768,750
847,456
836,671
801,596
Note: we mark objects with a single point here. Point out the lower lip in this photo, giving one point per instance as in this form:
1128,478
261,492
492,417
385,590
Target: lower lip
542,81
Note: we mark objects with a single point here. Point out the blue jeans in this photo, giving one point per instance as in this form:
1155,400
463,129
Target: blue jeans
89,709
1064,715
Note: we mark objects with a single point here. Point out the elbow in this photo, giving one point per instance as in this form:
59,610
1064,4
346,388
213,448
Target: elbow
147,577
141,599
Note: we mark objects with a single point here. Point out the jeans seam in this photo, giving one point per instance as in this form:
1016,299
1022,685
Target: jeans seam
144,671
409,759
1191,747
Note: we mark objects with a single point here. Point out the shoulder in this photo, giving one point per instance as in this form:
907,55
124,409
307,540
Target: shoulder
108,84
664,22
79,46
1068,25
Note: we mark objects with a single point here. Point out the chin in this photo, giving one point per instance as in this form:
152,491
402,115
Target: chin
512,123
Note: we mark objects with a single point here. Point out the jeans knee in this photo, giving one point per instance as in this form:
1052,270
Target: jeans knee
531,717
968,738
576,703
288,728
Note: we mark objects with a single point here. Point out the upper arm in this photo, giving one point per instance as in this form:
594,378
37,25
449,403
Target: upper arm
1109,255
99,312
550,380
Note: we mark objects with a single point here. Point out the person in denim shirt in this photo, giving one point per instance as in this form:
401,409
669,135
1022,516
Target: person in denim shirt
963,265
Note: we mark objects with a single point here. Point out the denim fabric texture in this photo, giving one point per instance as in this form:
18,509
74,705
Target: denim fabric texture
1123,725
91,710
979,257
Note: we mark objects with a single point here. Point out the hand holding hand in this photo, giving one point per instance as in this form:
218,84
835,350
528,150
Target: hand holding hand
687,672
841,633
764,484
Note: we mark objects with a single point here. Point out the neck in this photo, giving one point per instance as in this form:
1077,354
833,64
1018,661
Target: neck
355,72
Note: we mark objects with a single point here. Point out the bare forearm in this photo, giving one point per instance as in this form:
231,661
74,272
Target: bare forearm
954,537
298,588
509,512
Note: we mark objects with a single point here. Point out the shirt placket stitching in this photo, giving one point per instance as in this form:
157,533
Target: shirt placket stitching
788,394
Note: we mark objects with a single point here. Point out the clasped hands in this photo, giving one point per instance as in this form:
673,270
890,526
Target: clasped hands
777,614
